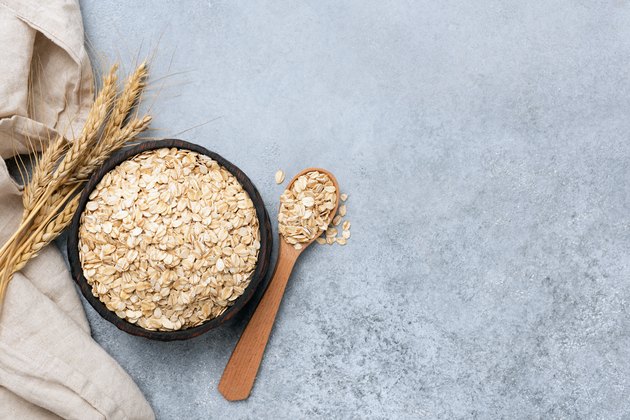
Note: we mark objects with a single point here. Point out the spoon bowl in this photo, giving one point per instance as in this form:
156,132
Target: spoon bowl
332,212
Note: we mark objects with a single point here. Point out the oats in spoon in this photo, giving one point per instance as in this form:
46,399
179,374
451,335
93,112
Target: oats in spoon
305,208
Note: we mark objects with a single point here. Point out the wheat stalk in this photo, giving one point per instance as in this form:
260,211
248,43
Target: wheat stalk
75,154
50,197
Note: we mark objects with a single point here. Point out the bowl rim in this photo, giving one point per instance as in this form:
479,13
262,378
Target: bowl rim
264,253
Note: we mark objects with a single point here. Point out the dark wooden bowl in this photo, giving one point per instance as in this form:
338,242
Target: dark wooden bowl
262,265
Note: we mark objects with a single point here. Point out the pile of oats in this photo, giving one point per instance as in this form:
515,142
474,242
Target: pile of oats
305,208
169,239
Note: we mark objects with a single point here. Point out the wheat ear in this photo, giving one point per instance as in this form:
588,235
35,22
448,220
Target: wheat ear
130,96
42,236
117,131
42,173
53,200
108,146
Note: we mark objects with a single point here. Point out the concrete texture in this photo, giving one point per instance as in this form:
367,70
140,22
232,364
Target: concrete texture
485,148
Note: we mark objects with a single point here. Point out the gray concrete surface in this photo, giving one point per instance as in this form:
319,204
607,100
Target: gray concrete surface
485,148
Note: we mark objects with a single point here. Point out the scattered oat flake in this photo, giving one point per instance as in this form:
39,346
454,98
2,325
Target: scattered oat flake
321,241
346,225
346,234
344,197
337,220
341,241
279,176
342,210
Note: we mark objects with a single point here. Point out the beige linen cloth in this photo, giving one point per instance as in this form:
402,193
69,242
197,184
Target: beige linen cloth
50,367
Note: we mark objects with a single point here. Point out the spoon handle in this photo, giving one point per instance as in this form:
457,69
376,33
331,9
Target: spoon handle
240,373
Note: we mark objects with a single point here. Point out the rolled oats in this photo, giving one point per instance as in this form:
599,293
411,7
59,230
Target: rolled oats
169,239
305,208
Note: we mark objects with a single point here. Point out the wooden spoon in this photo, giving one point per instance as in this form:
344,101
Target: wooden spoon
240,373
